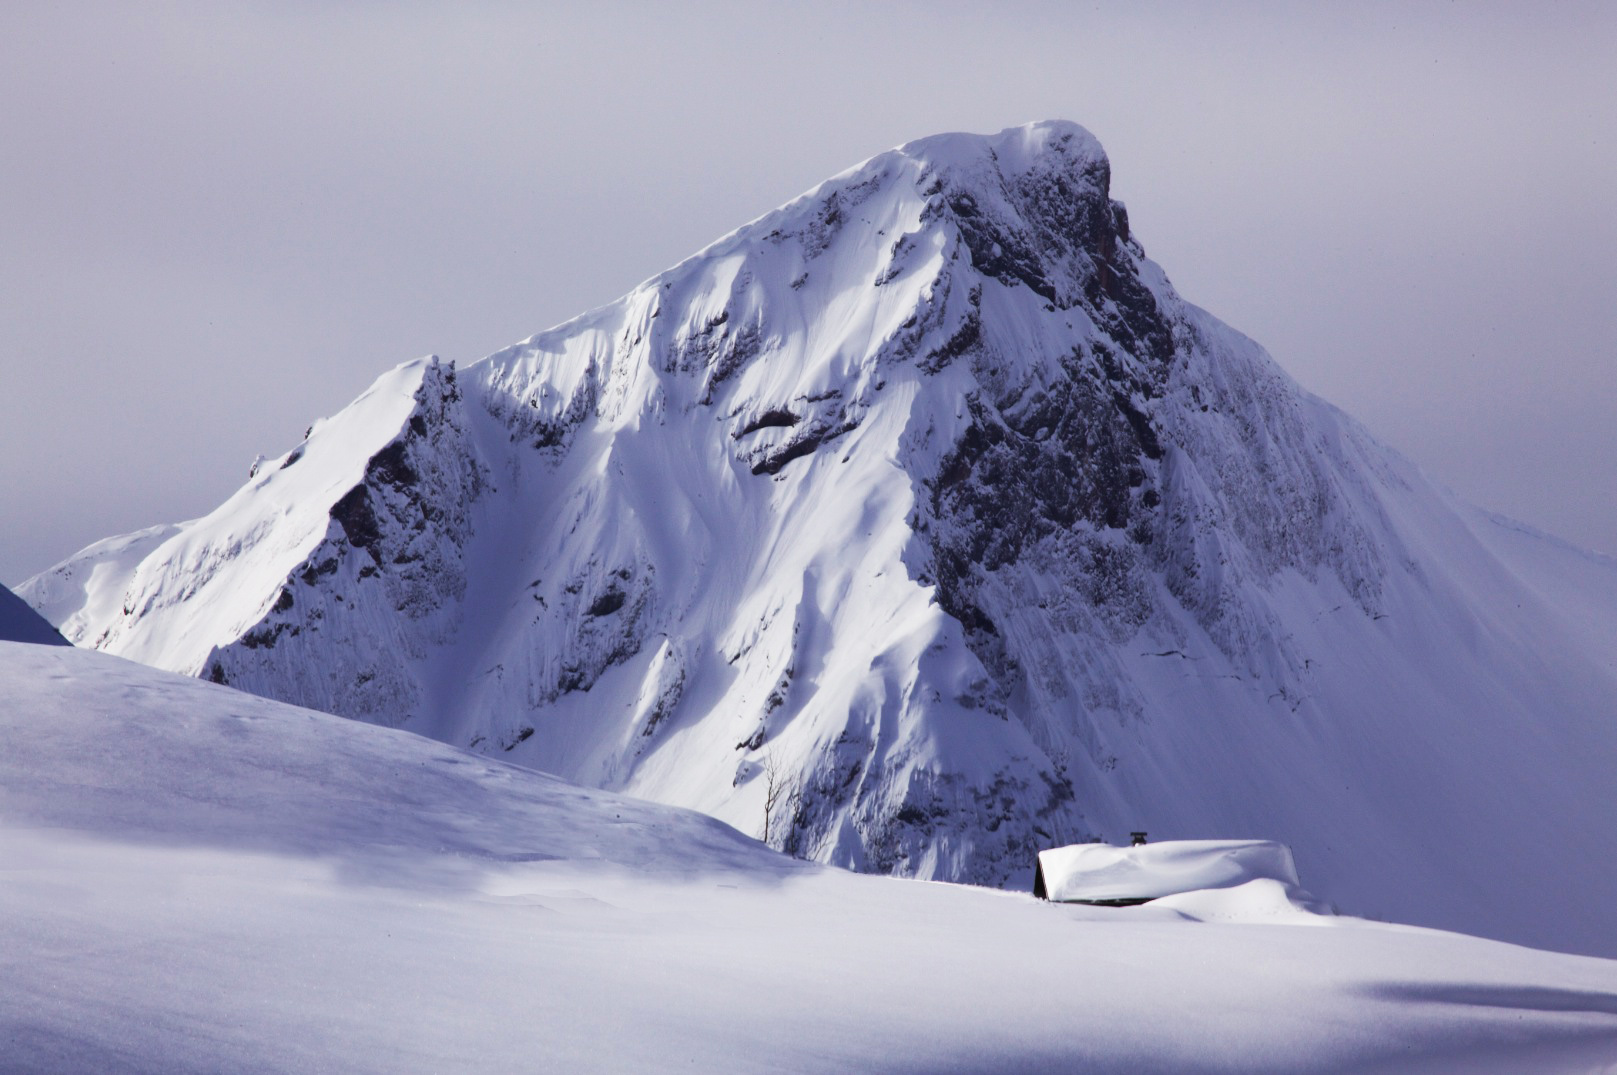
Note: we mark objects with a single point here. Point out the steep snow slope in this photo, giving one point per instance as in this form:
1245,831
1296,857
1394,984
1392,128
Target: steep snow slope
200,880
915,526
19,623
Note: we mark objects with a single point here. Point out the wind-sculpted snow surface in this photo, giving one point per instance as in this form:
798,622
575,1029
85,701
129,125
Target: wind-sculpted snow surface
199,880
916,526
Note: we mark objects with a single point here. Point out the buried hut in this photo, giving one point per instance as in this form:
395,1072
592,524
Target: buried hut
1110,876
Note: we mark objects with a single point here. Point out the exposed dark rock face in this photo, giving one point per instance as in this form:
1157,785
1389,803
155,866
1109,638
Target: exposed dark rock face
1067,499
394,549
805,443
1055,230
606,604
1063,469
357,518
774,417
608,612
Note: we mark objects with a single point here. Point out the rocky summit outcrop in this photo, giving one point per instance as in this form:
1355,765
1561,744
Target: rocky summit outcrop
915,526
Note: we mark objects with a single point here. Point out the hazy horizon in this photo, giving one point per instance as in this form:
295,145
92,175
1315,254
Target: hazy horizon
225,222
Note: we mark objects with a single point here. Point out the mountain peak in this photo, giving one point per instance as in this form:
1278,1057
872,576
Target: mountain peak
1014,150
1031,202
1033,205
912,526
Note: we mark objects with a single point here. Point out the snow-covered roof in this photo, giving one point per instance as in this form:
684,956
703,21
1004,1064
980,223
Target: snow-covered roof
1094,873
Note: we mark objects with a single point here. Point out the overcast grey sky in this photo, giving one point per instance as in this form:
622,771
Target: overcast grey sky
221,221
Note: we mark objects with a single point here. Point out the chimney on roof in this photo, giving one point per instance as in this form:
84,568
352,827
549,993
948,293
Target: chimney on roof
1136,839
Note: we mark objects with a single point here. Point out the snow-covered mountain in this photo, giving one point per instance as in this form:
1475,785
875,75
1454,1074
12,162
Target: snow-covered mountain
198,880
915,526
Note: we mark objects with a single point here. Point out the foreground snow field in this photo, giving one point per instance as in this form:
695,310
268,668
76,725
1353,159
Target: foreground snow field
195,879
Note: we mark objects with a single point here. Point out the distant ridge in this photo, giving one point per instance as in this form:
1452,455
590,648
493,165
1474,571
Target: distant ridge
19,623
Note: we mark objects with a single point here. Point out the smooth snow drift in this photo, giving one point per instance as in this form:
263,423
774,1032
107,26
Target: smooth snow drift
913,527
198,880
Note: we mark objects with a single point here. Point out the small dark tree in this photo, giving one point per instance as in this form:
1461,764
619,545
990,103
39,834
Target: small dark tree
782,796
